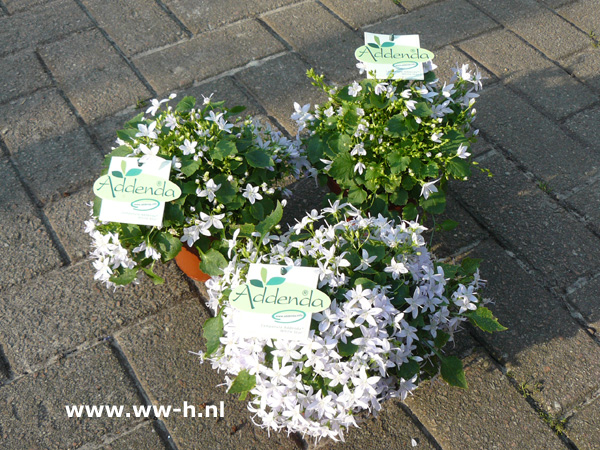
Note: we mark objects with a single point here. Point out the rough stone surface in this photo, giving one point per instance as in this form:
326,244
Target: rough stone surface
277,84
528,71
26,247
67,216
584,428
21,74
41,24
413,4
358,13
520,214
583,13
105,130
159,351
33,414
69,308
141,25
542,28
14,6
439,24
586,202
544,349
585,66
143,437
585,125
93,75
587,300
324,41
490,414
206,16
200,58
506,120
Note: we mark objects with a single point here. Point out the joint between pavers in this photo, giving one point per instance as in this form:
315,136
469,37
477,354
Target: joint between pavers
333,13
5,365
4,9
120,52
422,428
174,17
273,33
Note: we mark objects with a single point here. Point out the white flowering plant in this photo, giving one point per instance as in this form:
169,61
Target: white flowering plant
391,146
393,310
230,171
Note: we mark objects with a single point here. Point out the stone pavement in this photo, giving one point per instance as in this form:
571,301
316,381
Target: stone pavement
72,71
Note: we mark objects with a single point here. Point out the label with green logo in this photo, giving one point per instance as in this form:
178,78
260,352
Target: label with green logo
399,56
277,302
136,193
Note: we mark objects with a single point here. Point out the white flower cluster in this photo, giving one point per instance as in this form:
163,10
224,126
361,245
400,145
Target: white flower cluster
386,333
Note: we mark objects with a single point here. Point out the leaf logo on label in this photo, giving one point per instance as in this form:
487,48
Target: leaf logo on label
396,55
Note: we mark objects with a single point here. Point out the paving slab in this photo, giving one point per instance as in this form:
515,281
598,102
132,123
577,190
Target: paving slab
527,222
143,437
67,308
44,23
539,26
66,215
450,57
105,130
413,4
557,3
21,74
33,414
587,300
584,427
358,13
159,351
583,13
489,415
277,84
585,125
200,17
320,37
141,26
524,69
95,78
586,202
14,6
585,66
534,140
27,249
544,348
439,24
200,58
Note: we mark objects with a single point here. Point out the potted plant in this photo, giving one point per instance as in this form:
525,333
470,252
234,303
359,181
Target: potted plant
390,146
230,171
393,309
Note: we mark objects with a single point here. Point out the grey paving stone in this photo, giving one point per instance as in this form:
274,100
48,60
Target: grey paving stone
67,307
585,125
586,203
141,26
540,27
536,141
158,350
277,84
41,24
584,427
66,216
449,57
587,300
391,429
93,75
439,24
583,13
557,3
307,195
490,414
544,349
206,56
523,217
413,4
585,66
143,437
27,249
319,37
546,85
41,116
21,74
14,6
200,17
106,129
33,414
358,13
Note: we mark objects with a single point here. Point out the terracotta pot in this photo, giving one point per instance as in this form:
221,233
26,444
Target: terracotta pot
188,261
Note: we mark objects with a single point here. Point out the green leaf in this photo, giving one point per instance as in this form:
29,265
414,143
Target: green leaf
365,283
133,123
212,262
483,318
387,44
257,283
270,221
189,167
314,148
339,143
223,149
126,277
397,126
356,195
263,274
212,330
174,215
342,168
347,349
227,192
116,173
259,159
376,39
409,212
127,135
398,163
458,168
422,110
121,151
435,204
409,369
155,278
168,245
275,281
371,44
243,383
453,373
449,225
133,172
450,271
97,206
429,77
441,339
470,265
399,197
185,104
379,101
257,211
237,109
453,139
